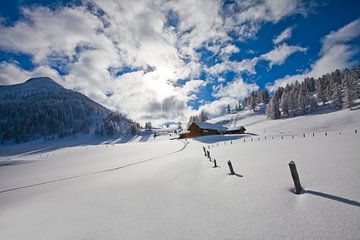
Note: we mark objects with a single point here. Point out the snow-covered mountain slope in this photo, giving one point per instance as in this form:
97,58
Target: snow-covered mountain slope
40,107
167,189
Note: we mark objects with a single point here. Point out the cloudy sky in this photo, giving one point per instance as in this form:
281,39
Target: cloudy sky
162,60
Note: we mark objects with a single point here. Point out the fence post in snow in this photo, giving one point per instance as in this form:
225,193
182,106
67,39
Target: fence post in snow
215,166
208,154
313,134
355,131
231,142
204,151
295,177
304,135
230,168
325,134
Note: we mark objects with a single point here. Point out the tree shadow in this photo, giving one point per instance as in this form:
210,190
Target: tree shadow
331,197
9,163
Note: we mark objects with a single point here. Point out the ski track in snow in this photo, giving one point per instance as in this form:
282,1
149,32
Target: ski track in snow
96,172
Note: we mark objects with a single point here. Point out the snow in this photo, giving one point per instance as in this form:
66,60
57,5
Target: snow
168,189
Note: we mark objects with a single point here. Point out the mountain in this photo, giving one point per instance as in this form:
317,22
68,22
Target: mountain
40,107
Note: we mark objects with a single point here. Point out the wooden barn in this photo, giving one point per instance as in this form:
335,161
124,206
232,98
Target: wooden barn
196,129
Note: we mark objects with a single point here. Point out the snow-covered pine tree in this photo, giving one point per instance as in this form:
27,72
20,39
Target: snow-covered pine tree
321,90
272,110
303,99
265,96
350,88
336,90
284,101
203,116
228,109
292,102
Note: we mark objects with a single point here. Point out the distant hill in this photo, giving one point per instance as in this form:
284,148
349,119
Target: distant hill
40,107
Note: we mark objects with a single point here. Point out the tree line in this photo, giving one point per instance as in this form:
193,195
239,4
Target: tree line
337,89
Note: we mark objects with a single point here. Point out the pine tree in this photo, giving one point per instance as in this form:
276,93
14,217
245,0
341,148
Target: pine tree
284,103
350,88
321,90
336,92
228,109
272,110
203,116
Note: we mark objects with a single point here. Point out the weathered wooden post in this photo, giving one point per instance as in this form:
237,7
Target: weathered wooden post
295,177
231,168
325,134
355,131
204,151
304,135
215,166
208,154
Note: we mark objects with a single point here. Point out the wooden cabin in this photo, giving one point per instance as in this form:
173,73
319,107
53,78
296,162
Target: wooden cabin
196,129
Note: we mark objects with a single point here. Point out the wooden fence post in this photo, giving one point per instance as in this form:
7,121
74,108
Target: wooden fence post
204,151
313,134
355,131
295,177
304,135
231,168
215,166
208,154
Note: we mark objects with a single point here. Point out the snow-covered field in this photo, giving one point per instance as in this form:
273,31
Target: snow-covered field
167,189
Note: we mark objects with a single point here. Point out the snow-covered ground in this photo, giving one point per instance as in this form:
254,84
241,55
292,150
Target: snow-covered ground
167,189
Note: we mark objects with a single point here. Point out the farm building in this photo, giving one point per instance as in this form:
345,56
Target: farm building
196,129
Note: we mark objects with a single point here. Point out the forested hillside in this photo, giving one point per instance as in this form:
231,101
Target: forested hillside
40,107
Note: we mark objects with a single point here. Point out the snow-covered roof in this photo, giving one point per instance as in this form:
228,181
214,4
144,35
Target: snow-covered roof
234,128
184,131
207,125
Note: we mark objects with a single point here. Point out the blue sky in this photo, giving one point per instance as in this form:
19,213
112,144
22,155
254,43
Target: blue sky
165,60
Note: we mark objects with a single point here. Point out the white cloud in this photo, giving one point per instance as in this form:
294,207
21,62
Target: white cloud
12,74
336,53
135,34
286,34
218,107
246,65
236,89
278,55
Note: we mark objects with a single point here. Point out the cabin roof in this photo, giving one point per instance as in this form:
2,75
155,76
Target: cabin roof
211,126
184,131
